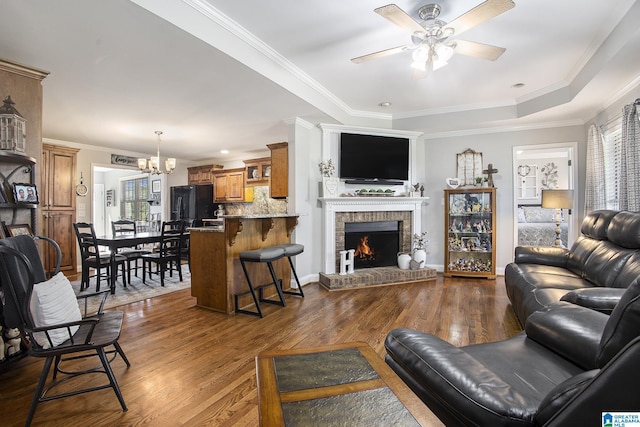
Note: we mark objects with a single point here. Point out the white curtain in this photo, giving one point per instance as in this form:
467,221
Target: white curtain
595,194
630,154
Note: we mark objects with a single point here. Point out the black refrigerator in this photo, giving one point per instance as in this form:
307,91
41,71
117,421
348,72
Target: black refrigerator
192,203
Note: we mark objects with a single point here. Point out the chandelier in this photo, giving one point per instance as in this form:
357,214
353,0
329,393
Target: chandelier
152,165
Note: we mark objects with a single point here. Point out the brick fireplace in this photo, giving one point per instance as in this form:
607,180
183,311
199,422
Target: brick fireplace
371,220
407,211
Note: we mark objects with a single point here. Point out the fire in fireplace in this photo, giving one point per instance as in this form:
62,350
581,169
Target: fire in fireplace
376,244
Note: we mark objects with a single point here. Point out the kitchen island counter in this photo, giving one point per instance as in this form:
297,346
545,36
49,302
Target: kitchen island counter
216,272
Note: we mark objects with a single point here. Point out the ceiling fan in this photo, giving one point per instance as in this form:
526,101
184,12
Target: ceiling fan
432,40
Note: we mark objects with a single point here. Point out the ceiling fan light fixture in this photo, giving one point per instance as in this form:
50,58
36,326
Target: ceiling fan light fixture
444,52
420,57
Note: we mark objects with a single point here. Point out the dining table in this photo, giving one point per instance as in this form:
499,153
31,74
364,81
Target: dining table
125,241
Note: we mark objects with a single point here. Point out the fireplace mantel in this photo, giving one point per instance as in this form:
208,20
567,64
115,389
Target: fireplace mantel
363,204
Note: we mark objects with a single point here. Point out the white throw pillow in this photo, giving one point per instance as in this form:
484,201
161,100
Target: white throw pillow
53,302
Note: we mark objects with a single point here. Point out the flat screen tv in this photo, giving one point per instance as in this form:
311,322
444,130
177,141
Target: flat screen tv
373,157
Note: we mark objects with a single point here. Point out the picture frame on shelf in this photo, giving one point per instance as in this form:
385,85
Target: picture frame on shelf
25,193
155,186
19,230
3,235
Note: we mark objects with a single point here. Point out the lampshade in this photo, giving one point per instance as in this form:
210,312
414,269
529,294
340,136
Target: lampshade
557,199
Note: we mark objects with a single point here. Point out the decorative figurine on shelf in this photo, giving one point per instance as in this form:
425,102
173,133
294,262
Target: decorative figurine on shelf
415,192
422,191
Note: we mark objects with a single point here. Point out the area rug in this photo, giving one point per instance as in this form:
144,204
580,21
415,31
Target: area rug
136,290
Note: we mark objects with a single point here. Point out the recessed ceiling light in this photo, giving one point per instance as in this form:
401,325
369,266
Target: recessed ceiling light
224,151
385,104
517,85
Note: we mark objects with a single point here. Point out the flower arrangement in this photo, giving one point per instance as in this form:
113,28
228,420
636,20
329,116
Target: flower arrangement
327,169
420,240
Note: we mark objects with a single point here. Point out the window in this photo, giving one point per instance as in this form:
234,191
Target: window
612,144
135,194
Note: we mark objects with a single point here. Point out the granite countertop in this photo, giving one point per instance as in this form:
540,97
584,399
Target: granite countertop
260,216
208,229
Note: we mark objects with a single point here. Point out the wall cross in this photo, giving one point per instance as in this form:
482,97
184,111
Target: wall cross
490,171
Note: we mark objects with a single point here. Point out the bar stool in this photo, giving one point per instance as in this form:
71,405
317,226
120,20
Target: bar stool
266,255
293,249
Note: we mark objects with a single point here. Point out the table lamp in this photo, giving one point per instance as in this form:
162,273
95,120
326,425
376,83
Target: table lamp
558,200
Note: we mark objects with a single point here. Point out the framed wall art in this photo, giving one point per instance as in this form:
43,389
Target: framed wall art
155,186
469,164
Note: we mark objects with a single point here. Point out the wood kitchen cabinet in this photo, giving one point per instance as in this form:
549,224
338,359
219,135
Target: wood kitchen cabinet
202,174
58,178
228,185
258,171
279,186
58,203
58,225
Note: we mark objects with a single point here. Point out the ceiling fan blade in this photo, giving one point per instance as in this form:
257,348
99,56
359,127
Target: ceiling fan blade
479,50
394,14
479,14
379,54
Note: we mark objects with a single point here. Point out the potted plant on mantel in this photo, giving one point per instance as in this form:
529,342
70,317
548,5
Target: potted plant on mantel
329,182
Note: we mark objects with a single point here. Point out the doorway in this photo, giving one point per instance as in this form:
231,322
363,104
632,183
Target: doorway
107,194
536,168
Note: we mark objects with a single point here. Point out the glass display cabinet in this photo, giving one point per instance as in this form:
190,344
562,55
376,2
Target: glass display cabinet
470,224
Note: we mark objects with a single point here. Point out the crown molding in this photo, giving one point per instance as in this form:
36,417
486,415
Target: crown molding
23,70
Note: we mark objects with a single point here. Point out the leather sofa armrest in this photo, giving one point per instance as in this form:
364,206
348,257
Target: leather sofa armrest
572,331
544,255
603,300
563,393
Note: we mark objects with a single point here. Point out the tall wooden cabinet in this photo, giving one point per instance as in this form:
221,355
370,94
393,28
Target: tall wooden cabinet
279,184
58,203
470,232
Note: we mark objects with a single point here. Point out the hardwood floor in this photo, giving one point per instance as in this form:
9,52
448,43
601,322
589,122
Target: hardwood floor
191,366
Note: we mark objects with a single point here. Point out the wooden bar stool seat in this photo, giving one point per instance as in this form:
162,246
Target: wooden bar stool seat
293,249
264,255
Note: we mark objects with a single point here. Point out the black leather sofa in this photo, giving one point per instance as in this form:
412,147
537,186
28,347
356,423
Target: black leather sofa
566,368
600,265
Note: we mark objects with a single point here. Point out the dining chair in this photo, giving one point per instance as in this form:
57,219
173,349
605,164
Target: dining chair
126,227
169,252
47,314
92,257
